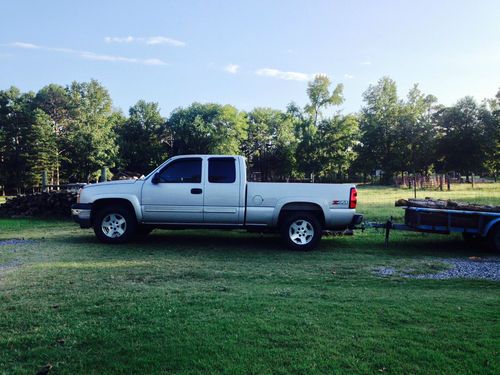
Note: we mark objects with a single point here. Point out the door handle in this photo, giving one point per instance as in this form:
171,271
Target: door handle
196,191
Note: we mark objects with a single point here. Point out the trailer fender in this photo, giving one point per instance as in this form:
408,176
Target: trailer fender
490,225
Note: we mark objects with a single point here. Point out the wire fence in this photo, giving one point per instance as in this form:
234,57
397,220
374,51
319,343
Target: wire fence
377,202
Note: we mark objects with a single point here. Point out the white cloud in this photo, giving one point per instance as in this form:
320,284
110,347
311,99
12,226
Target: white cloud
91,55
289,76
115,39
348,76
24,45
365,63
152,40
232,68
164,40
153,61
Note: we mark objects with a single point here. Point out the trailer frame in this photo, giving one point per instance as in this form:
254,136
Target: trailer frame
485,222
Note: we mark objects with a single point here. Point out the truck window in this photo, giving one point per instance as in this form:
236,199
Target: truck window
221,170
182,171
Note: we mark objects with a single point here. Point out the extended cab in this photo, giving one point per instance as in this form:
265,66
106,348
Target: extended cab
211,191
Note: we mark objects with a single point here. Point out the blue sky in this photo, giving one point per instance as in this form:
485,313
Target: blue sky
251,53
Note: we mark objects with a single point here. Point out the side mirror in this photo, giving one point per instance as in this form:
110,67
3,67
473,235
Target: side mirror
156,179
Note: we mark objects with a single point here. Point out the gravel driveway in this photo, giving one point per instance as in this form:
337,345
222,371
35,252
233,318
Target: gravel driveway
471,268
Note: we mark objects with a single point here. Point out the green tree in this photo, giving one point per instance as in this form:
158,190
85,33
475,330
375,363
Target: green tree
15,126
490,116
462,137
54,100
270,147
207,129
318,91
337,139
42,146
416,133
306,124
380,117
141,138
90,143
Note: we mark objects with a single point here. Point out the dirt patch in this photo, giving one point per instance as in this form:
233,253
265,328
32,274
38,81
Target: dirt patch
15,241
12,264
487,268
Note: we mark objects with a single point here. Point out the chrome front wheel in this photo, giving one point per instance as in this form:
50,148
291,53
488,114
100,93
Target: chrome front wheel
114,225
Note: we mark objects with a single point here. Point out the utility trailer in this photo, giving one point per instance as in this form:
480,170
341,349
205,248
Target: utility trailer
472,224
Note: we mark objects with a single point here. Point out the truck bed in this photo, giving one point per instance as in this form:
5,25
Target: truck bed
265,199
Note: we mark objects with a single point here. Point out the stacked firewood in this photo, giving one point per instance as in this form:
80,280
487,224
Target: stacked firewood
56,204
445,205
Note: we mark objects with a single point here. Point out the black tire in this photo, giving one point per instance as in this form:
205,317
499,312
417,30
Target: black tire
494,238
120,221
301,231
144,230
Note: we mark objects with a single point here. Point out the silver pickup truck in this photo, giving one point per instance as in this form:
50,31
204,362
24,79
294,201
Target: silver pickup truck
211,191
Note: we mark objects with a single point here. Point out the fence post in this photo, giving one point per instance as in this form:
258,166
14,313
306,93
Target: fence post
44,182
103,175
472,179
414,185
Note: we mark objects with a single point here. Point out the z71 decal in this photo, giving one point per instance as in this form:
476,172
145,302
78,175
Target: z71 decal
340,203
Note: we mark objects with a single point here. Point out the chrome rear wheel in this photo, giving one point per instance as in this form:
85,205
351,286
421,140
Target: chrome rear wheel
301,232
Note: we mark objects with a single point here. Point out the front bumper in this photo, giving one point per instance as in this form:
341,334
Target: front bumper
80,212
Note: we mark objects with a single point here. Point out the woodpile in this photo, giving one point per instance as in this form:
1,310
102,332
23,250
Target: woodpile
445,205
56,204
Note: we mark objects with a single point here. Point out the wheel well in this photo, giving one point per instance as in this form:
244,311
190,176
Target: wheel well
491,227
296,207
100,203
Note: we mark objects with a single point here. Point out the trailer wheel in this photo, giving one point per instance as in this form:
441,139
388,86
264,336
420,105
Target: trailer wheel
494,238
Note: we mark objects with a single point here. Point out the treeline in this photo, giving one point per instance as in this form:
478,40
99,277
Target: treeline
72,132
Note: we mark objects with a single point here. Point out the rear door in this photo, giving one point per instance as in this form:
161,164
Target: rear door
222,191
178,196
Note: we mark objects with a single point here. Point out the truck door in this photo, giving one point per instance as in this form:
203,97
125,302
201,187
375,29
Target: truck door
222,191
177,194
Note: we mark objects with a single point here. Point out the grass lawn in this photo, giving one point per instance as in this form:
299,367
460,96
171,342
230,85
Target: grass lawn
236,303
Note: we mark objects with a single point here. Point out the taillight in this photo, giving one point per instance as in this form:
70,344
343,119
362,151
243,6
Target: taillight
353,198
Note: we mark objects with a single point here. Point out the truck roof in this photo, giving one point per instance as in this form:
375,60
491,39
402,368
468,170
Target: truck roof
205,156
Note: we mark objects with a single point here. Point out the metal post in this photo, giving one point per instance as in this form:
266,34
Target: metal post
388,227
103,175
472,179
414,185
44,181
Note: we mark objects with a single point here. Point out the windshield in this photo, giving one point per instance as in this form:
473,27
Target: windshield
154,170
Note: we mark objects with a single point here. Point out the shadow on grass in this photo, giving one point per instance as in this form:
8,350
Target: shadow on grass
217,241
188,240
437,245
